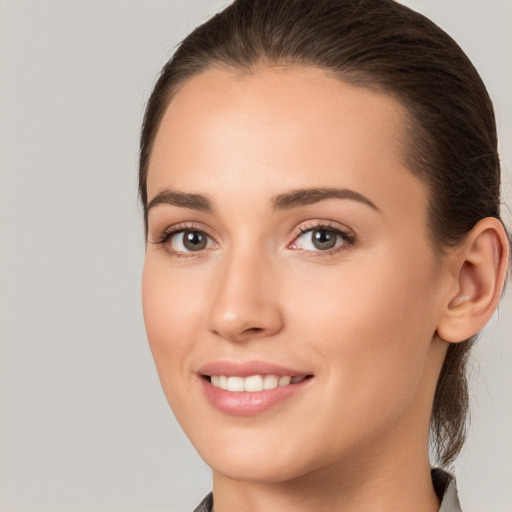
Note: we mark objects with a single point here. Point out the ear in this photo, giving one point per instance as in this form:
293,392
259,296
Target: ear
478,269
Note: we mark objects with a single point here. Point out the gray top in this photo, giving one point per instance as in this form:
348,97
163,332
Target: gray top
446,489
444,485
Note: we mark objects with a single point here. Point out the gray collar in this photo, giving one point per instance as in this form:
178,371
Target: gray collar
446,489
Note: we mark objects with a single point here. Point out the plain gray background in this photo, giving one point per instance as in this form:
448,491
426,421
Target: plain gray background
84,424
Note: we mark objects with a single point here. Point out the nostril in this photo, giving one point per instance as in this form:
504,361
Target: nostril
245,323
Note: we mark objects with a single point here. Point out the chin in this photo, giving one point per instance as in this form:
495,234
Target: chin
268,471
261,461
248,463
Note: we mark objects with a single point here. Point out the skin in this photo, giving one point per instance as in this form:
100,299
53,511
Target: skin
363,320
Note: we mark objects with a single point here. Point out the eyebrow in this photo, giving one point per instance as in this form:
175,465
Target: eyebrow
306,196
182,199
286,201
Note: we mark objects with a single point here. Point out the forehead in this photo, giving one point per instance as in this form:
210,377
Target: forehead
294,126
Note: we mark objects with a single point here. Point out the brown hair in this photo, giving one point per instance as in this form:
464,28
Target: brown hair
382,45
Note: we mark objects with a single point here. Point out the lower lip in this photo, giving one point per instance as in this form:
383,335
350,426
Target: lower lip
245,403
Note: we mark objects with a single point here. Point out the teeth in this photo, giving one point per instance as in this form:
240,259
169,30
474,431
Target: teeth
284,381
254,382
235,383
270,382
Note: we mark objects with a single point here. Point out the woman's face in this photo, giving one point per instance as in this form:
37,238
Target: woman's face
288,239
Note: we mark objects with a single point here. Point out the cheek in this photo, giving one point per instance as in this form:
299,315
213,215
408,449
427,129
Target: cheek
386,298
172,316
373,324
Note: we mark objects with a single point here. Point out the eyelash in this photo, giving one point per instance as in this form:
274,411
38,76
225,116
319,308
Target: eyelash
174,230
348,239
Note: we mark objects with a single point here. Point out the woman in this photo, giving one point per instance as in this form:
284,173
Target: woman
320,182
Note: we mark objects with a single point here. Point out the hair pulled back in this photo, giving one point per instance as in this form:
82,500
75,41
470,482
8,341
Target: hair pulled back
382,45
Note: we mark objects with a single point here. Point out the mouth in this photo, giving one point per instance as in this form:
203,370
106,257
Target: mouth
250,388
253,383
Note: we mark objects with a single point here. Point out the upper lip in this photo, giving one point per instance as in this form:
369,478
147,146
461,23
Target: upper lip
247,368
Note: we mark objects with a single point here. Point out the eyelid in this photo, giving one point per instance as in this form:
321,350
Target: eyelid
311,225
325,225
166,234
317,224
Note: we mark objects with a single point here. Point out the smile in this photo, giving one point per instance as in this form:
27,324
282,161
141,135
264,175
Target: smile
252,387
253,383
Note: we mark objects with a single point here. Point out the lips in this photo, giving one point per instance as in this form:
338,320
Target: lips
250,388
247,368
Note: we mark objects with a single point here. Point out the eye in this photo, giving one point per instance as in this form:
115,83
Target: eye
187,240
321,238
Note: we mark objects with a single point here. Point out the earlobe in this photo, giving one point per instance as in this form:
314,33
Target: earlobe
479,268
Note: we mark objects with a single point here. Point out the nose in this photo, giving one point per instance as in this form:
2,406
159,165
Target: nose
245,302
